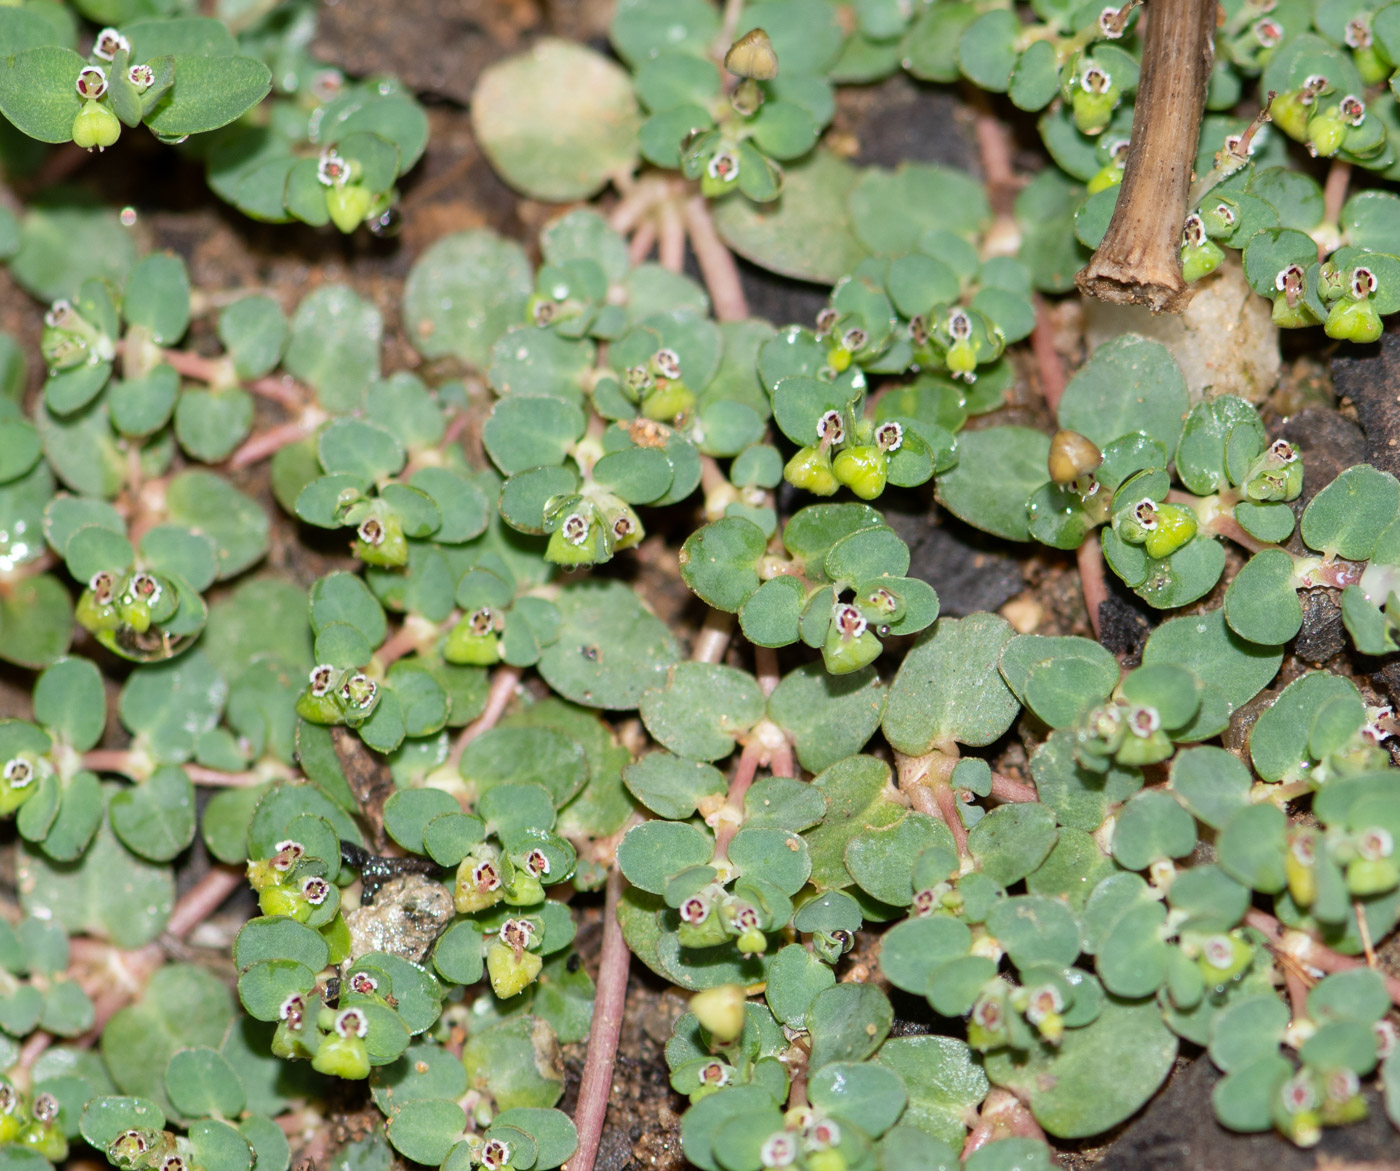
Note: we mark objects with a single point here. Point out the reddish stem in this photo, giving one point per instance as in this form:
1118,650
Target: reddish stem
642,242
1003,1115
948,809
765,661
672,242
1308,950
1334,194
1012,791
713,639
403,641
268,443
107,760
605,1032
34,1049
716,262
1047,358
503,687
744,773
1091,579
203,899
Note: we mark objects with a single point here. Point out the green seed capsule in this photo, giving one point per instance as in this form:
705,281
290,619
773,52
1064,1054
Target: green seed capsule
1372,876
348,206
1353,321
1327,130
95,126
1176,525
579,540
282,900
862,469
466,647
511,973
844,655
344,1057
1092,110
47,1141
810,469
1224,958
752,942
135,613
668,402
1201,260
1290,113
379,540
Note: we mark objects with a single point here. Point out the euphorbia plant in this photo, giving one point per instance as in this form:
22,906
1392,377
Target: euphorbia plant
419,755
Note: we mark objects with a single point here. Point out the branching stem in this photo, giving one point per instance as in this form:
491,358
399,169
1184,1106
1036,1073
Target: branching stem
1010,791
1307,950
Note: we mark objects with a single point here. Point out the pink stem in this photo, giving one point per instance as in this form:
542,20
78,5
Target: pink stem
403,642
782,764
713,639
267,443
1309,951
642,242
1011,791
765,661
672,245
1003,1115
605,1032
1091,579
716,262
107,760
744,773
1297,992
1334,193
203,899
217,778
34,1048
938,801
503,687
1047,357
212,370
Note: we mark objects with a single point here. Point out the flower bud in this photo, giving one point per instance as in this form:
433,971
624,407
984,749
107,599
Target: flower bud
95,126
720,1011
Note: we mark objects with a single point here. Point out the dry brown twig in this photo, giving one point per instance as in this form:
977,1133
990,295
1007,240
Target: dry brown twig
1139,259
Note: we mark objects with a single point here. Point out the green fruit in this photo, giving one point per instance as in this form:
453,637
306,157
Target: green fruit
478,881
95,126
1327,130
1176,525
752,942
1302,878
862,469
348,206
810,469
511,973
523,889
319,709
281,900
961,358
829,1159
1353,321
842,655
1137,750
1369,64
1297,316
379,540
1092,111
668,402
721,1011
10,1126
467,648
135,613
1223,958
336,933
1371,876
345,1057
709,932
1110,176
579,540
46,1140
1201,260
1290,115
